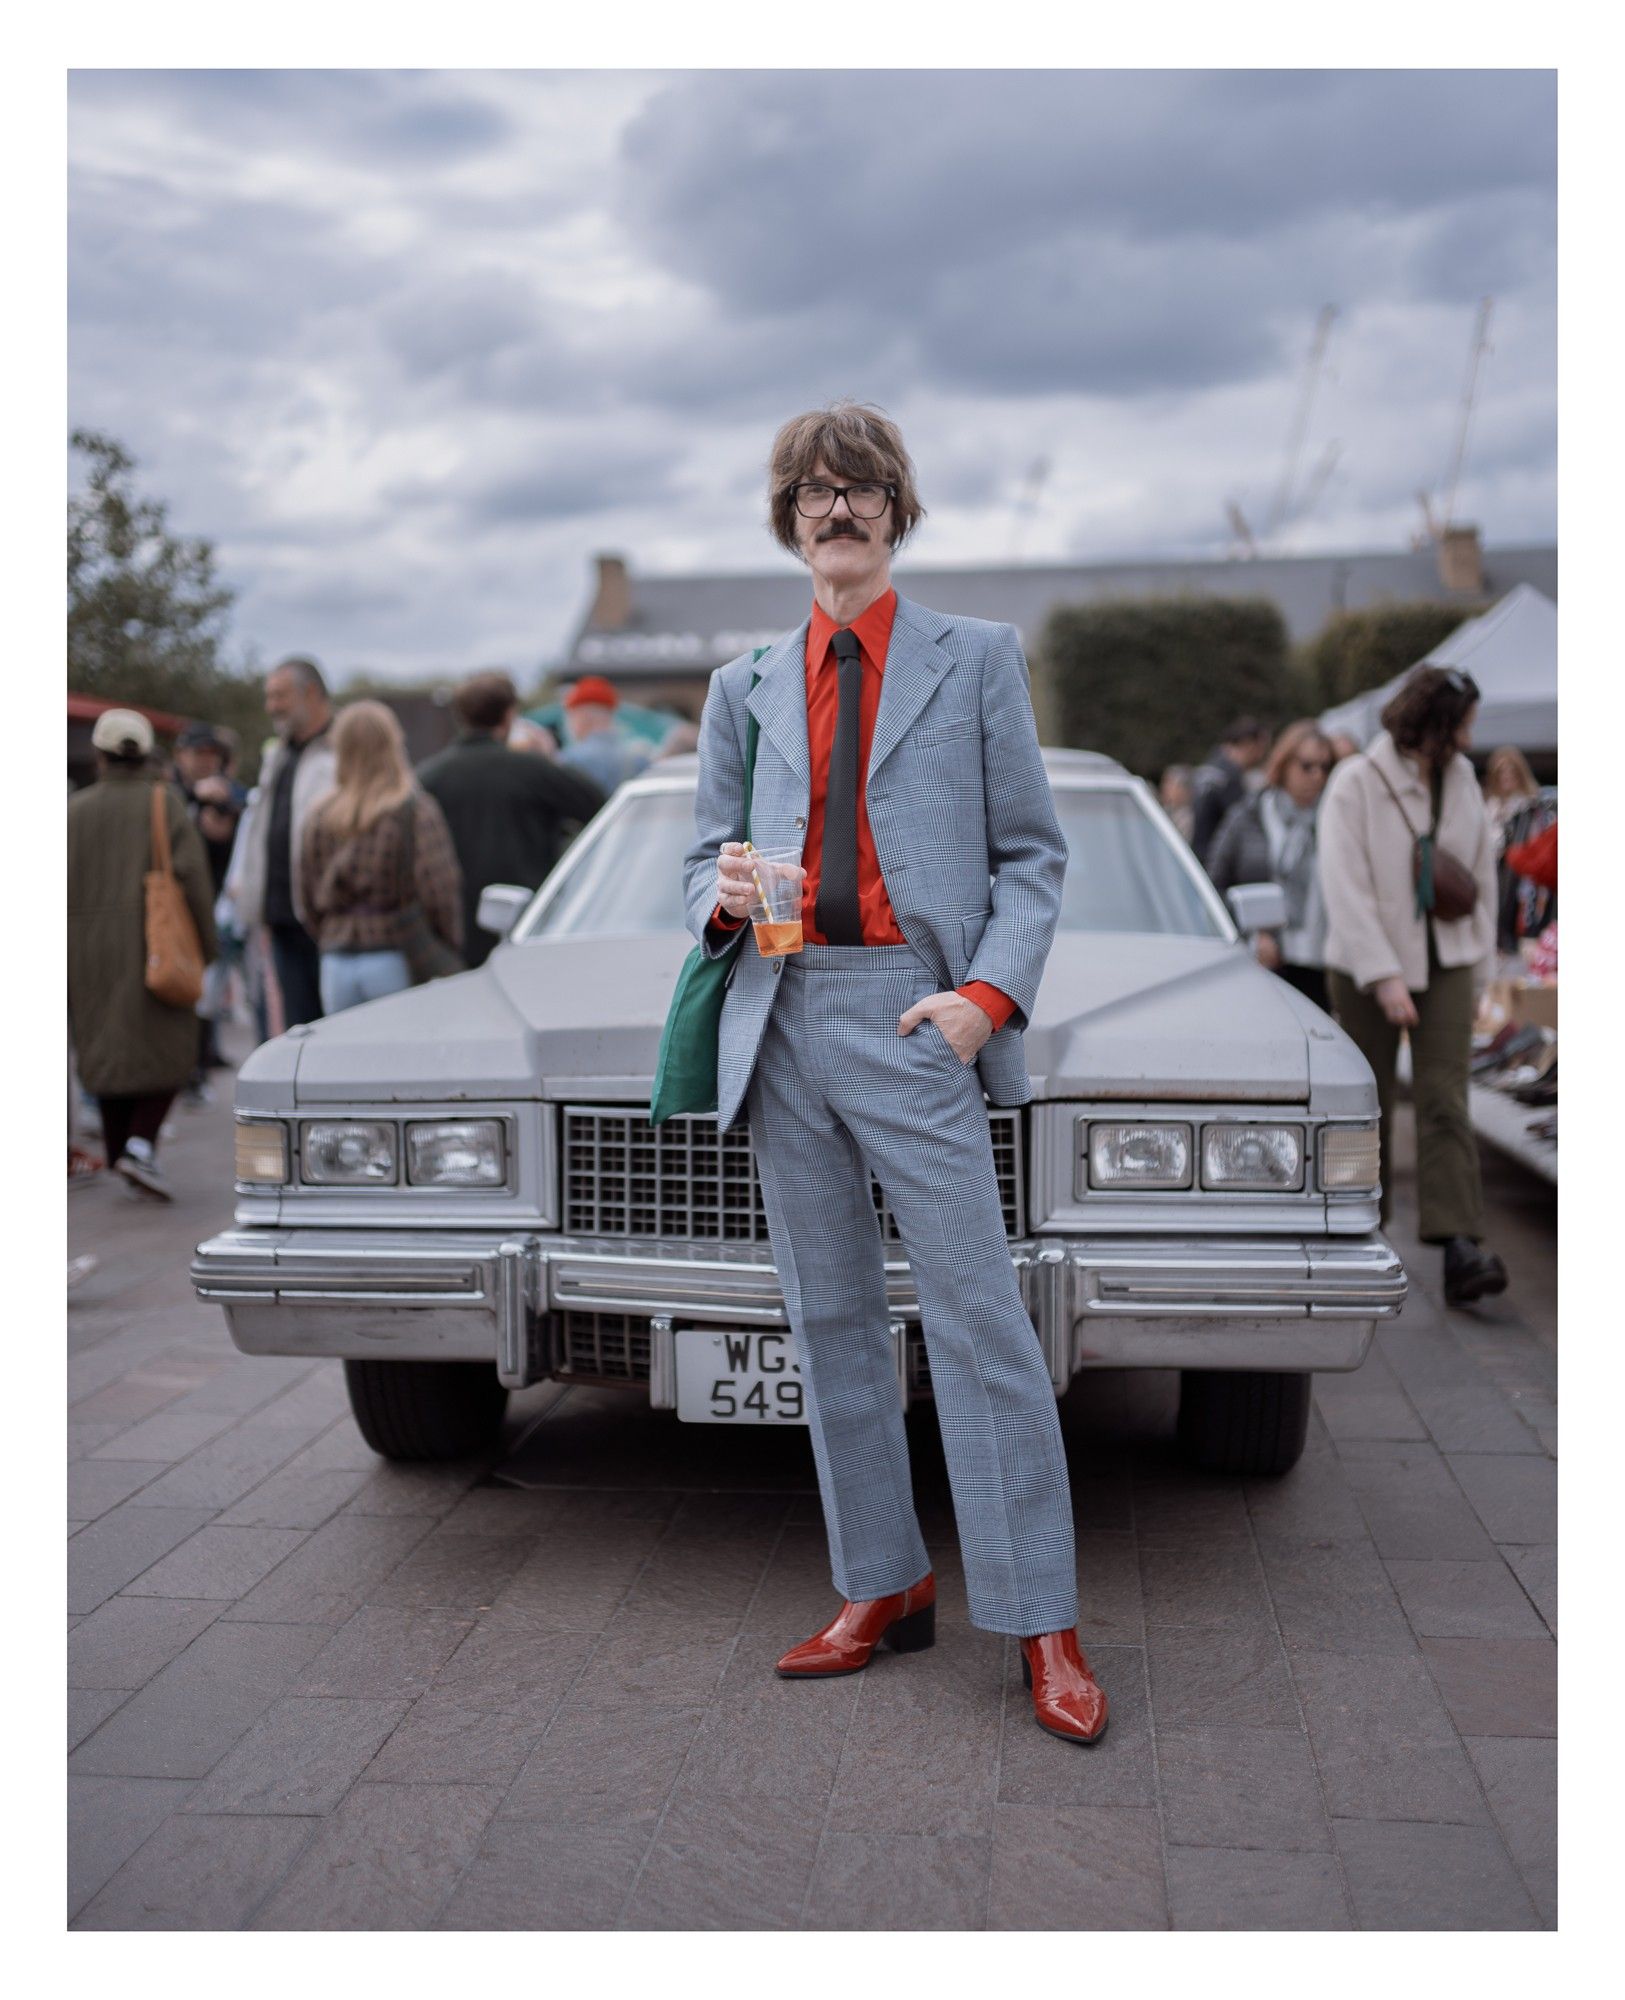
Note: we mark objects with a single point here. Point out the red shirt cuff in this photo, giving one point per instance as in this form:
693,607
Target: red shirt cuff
997,1006
720,917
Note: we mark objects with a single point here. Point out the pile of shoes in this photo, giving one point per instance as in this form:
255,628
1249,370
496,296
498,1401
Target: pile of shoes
1520,1061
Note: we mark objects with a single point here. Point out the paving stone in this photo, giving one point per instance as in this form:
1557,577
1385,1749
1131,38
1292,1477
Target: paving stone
578,1576
1334,1600
1111,1608
1408,1877
1220,1586
1520,1779
1077,1868
166,1438
1314,1502
115,1550
1413,1507
237,1461
86,1439
444,1742
203,1872
386,1859
294,1497
795,1594
1238,1788
1515,1498
1178,1508
453,1572
328,1578
605,1767
1036,1770
698,1574
428,1490
532,1875
96,1484
898,1882
650,1662
1235,1889
1476,1418
1204,1675
513,1664
89,1708
769,1736
1423,1353
385,1652
218,1562
724,1862
125,1641
1384,1744
1367,1402
1536,1569
1473,1600
300,1757
108,1819
1497,1687
188,1716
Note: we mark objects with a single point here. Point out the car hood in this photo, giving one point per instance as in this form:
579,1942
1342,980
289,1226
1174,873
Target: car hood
1118,1017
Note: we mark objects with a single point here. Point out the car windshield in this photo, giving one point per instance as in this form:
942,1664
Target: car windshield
1124,872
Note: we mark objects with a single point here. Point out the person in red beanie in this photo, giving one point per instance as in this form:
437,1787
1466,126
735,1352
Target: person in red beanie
598,745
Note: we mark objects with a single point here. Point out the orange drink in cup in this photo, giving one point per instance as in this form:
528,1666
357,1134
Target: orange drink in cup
776,914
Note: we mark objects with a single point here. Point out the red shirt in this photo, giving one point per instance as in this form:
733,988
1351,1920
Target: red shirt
873,630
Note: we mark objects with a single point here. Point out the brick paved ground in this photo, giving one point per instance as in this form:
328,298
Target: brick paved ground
310,1690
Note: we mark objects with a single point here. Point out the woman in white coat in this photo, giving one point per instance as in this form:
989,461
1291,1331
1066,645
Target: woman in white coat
1403,954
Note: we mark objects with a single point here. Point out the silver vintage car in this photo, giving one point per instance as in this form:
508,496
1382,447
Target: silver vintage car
458,1190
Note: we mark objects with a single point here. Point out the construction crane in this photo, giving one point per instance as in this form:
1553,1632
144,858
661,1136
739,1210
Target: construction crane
1290,505
1475,354
1027,503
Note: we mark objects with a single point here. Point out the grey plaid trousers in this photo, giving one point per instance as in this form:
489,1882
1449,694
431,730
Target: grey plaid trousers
835,1090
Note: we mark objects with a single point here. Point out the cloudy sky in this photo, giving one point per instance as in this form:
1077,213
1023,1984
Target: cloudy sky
411,347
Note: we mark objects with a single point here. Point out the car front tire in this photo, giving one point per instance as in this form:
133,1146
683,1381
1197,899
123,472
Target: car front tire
1246,1421
426,1409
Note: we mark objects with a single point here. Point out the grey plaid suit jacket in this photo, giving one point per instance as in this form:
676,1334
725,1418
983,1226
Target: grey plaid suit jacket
959,804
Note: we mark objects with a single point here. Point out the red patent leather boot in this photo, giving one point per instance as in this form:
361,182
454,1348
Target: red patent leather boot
1067,1699
907,1622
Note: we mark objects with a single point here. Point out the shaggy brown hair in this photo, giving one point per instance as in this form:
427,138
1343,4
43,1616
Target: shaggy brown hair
483,700
1290,743
856,442
1425,714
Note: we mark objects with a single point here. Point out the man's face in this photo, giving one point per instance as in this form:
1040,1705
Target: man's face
196,761
840,549
587,718
1251,751
289,701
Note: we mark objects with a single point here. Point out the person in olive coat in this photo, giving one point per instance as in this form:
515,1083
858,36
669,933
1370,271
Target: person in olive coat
134,1052
511,812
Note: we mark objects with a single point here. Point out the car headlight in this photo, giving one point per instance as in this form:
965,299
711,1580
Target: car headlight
1139,1156
1350,1157
261,1153
346,1152
463,1152
1252,1156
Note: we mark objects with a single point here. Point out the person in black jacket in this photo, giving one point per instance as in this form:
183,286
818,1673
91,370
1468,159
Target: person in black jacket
510,811
1221,782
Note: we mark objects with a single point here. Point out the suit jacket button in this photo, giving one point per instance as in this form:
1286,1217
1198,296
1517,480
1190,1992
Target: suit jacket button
799,820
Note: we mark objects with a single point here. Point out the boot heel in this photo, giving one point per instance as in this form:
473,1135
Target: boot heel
1026,1672
915,1632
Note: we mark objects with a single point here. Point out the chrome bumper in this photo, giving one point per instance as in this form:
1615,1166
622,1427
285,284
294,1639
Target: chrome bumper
1097,1302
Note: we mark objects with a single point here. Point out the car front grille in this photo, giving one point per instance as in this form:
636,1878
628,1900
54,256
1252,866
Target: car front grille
688,1180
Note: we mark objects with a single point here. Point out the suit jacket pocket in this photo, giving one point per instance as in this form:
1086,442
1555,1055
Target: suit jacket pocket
972,928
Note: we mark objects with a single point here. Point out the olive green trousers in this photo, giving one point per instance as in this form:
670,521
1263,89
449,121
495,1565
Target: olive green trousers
1449,1193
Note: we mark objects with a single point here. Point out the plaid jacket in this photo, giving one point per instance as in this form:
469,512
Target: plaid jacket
354,890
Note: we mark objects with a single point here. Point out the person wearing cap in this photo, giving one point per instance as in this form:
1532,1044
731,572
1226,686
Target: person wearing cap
134,1052
598,744
204,756
510,811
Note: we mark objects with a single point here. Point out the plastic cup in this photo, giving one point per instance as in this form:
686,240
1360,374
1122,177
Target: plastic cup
776,914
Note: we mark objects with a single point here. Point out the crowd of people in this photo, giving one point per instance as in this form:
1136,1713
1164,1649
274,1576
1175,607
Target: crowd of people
343,875
1392,867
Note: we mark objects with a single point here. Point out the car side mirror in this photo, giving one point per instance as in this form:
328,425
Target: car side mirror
1257,906
502,904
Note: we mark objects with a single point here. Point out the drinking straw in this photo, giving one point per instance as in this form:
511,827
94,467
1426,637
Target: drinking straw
758,880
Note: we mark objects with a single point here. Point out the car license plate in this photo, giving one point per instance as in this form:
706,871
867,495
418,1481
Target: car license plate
738,1376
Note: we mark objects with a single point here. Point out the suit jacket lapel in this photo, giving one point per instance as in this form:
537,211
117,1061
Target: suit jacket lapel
779,699
915,664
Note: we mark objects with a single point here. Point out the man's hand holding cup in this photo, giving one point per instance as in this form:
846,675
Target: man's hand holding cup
736,887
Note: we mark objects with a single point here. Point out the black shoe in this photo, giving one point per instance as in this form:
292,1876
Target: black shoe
1471,1272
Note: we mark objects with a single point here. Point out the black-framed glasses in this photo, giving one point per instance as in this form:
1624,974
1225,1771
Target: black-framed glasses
866,501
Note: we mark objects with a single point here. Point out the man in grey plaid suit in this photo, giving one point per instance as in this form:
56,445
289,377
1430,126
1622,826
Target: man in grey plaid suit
897,755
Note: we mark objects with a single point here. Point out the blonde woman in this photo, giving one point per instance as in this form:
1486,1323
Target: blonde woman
1508,784
359,890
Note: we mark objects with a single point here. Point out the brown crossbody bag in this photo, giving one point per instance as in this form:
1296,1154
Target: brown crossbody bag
1445,887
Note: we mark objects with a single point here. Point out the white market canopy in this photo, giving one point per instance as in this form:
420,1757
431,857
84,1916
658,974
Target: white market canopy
1511,651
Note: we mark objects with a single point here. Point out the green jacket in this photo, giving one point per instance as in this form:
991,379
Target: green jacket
511,814
127,1043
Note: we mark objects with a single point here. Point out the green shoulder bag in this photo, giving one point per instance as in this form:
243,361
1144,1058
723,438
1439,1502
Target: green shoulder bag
686,1070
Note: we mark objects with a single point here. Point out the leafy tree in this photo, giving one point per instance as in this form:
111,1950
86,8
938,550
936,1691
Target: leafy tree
1151,681
147,613
1357,650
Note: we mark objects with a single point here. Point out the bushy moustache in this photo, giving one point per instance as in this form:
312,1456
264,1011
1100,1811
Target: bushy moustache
842,530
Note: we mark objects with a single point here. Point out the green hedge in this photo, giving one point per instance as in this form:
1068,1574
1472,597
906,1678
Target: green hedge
1152,681
1357,650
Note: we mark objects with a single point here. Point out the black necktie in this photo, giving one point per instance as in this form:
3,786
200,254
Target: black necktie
837,906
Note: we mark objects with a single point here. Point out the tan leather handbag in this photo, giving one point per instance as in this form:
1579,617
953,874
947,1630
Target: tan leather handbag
174,955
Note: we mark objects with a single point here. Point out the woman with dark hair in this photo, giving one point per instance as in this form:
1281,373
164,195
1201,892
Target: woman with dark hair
1270,837
1408,872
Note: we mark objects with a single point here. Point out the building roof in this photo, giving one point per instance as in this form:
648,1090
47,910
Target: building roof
687,624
